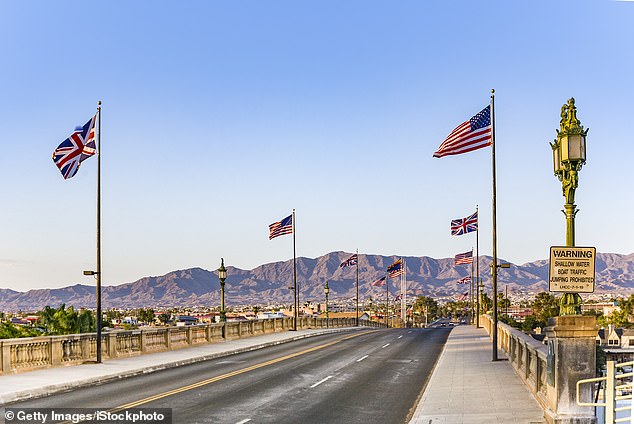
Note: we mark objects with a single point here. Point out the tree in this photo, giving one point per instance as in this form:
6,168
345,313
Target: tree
503,302
426,307
164,318
145,315
531,322
67,321
486,304
545,306
9,330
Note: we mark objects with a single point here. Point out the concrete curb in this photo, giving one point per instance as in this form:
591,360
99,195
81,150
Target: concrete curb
94,380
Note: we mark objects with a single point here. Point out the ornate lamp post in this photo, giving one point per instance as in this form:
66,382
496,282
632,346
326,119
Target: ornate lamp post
569,155
222,276
326,292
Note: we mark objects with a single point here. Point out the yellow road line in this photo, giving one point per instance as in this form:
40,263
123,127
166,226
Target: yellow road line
231,374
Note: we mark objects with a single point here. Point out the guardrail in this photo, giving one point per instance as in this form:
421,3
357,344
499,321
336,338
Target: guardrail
527,355
613,392
26,354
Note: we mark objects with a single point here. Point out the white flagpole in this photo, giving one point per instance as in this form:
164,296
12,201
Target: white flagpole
357,308
404,292
295,315
98,284
494,265
477,276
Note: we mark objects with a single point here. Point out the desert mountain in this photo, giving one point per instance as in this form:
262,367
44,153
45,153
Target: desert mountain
269,283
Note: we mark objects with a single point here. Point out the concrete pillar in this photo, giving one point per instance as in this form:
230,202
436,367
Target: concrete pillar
111,342
571,357
56,351
143,341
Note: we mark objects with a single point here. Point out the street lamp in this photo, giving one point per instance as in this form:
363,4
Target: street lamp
326,291
569,155
222,275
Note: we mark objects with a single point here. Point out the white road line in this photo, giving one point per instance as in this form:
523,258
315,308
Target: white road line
362,358
384,346
244,421
400,336
321,381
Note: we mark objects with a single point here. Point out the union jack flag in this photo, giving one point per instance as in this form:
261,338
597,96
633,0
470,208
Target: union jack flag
379,282
75,149
281,228
463,258
352,260
464,225
395,269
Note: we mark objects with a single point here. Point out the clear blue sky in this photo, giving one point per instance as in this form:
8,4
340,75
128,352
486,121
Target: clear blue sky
219,117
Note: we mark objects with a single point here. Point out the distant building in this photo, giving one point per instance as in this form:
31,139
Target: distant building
618,343
518,313
606,308
182,320
363,316
270,315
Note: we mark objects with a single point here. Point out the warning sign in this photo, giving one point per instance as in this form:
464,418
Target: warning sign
572,269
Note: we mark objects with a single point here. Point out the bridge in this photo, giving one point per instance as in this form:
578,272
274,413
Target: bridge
317,374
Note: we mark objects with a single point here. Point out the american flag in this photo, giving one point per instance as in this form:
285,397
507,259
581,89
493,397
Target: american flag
462,296
379,282
395,269
352,260
471,135
465,280
463,258
464,225
75,149
281,228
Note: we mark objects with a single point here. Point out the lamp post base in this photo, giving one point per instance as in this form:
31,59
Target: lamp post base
570,304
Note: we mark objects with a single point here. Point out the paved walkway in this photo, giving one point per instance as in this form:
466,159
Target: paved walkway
467,387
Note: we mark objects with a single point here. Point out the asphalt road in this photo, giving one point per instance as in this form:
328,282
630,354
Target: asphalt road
374,376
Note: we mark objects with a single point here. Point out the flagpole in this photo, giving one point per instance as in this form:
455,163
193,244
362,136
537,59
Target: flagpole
98,285
471,311
387,293
494,265
477,277
295,315
404,292
357,287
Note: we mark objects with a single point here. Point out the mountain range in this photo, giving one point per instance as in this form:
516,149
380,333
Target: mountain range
269,283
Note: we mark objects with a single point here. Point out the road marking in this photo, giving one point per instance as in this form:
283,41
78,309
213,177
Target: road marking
399,337
244,421
321,381
233,373
384,346
362,358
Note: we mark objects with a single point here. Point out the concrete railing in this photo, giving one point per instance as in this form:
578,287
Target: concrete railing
26,354
526,355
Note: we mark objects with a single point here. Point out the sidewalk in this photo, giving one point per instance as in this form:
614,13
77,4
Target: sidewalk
467,387
14,387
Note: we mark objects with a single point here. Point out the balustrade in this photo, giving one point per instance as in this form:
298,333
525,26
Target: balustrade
17,355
